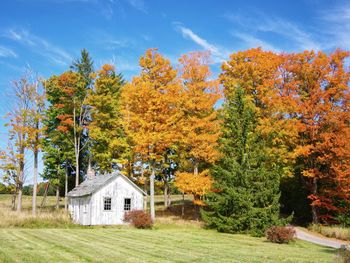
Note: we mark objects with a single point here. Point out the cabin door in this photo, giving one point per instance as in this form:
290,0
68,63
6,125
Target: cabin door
85,209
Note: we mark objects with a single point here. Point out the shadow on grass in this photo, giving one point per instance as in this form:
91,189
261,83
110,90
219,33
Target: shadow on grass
175,209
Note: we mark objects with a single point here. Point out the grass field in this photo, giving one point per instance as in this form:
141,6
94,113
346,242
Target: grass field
171,240
158,245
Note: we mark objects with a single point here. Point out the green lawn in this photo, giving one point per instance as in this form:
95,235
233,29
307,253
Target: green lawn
165,244
172,240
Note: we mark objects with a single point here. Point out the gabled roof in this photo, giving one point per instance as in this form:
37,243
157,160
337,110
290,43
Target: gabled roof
90,186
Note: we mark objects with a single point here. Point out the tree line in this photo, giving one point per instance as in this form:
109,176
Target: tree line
268,137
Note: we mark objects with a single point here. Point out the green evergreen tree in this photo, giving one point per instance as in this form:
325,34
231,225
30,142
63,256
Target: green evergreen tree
246,196
84,66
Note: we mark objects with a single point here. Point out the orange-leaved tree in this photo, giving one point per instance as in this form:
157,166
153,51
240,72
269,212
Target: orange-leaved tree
200,127
263,76
68,94
323,154
150,109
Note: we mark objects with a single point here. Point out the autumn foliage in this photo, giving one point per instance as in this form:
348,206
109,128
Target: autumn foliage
236,142
280,234
197,185
303,112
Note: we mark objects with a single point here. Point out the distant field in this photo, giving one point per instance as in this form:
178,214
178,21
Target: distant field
5,201
165,244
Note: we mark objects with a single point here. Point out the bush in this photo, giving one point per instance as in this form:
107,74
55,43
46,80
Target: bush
280,234
138,219
344,219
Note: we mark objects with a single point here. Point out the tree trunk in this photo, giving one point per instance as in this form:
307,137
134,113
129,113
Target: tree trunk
57,197
66,190
145,199
76,149
195,168
20,180
195,197
35,182
76,169
19,203
13,201
43,202
166,196
183,205
169,197
314,208
151,184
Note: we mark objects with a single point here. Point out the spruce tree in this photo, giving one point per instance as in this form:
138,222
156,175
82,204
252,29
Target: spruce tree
84,66
246,195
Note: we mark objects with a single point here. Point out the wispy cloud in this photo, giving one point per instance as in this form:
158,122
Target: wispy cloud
39,45
253,24
110,41
138,4
336,25
7,52
12,66
251,41
107,8
127,65
291,31
217,52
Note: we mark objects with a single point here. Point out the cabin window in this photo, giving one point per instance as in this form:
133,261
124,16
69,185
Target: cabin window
85,208
127,204
107,204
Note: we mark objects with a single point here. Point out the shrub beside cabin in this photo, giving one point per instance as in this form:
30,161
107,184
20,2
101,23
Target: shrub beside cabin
104,199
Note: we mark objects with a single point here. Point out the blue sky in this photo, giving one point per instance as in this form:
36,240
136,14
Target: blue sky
48,34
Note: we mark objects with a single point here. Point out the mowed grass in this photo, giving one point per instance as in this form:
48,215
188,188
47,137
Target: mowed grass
51,237
162,244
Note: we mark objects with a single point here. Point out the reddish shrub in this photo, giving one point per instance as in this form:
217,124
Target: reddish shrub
280,234
138,218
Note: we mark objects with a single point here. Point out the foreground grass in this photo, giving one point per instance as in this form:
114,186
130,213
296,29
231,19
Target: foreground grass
46,238
158,245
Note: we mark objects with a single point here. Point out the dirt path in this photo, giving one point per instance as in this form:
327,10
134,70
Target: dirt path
307,236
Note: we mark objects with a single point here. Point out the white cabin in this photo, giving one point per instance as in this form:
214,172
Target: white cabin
104,199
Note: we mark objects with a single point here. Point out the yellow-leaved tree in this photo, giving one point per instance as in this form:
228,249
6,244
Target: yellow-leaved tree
108,141
199,124
150,109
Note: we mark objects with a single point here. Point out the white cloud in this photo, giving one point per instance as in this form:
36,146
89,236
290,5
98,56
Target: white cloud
106,8
120,63
252,41
39,45
336,25
111,43
253,24
7,52
289,30
217,52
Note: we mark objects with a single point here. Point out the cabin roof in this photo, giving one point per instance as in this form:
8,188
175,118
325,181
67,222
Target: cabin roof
90,186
